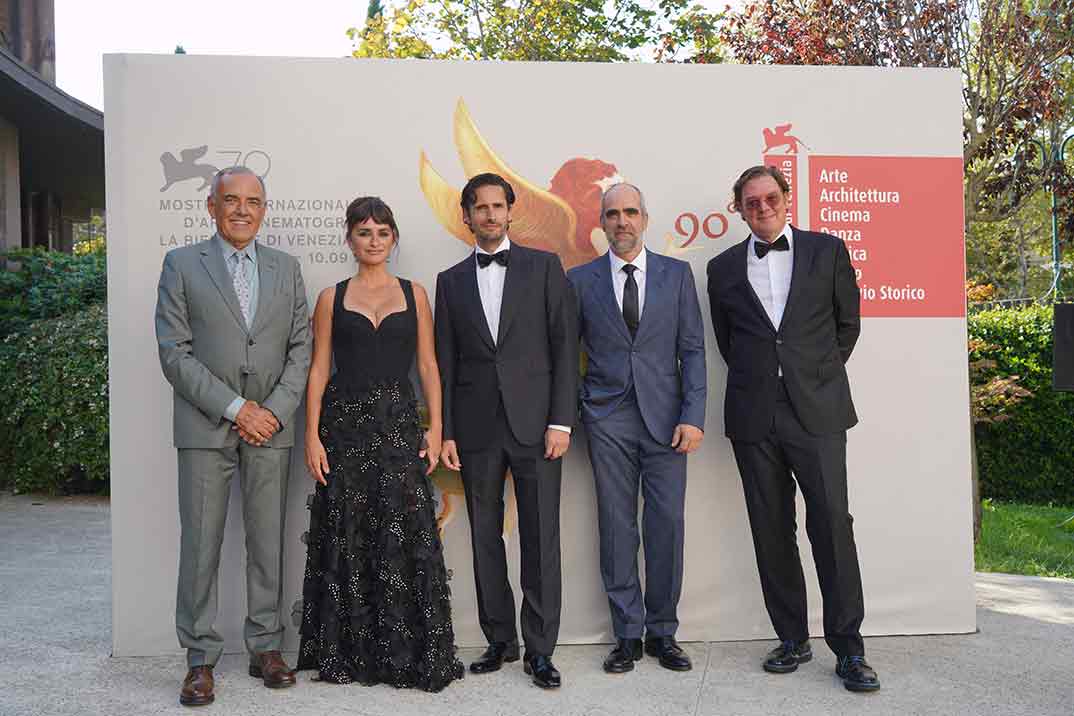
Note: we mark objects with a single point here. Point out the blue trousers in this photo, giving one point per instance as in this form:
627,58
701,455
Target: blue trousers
625,457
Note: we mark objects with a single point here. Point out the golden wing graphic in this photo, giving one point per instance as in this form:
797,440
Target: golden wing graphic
539,218
443,200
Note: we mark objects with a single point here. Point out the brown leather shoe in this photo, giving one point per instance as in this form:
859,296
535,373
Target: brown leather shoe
197,687
270,667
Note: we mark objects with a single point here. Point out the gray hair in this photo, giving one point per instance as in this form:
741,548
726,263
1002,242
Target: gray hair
234,171
613,187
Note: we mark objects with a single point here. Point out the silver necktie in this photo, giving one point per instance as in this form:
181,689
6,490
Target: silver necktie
242,284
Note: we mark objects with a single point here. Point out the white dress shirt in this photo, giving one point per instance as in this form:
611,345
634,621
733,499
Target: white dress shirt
771,276
490,287
619,278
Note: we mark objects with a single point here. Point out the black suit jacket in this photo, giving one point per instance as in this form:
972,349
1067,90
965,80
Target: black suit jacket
817,333
533,363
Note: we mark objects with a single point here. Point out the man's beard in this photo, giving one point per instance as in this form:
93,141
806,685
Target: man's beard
483,235
626,244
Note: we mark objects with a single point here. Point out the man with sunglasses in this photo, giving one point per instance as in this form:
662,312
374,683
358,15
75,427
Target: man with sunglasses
785,309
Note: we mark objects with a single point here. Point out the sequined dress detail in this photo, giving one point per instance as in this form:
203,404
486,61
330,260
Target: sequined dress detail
376,605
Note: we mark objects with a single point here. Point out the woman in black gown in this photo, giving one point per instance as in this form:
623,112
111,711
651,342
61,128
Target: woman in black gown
375,597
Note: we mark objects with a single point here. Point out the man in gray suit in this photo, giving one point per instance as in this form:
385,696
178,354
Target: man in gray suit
643,406
233,335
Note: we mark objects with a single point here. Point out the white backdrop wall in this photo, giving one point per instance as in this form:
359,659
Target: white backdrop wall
326,131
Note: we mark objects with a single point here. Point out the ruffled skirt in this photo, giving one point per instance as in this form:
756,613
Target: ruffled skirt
376,604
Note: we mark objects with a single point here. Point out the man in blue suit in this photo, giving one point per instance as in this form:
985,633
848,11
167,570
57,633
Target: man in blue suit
643,406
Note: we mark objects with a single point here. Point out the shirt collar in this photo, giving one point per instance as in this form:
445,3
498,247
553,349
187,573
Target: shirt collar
618,263
787,232
504,246
228,250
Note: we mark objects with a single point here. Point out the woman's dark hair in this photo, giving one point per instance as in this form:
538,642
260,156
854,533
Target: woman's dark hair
469,192
365,208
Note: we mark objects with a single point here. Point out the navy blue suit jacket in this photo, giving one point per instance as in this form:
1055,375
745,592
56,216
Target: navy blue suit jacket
666,359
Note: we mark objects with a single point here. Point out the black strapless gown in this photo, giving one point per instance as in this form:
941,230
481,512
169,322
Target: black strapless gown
376,605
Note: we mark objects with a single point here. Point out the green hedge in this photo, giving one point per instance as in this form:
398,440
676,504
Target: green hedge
49,284
54,398
1029,458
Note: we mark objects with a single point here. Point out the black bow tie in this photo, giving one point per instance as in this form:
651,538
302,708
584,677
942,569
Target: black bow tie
763,247
500,257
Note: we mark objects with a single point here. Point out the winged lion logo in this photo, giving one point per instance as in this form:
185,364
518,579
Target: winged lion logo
176,171
779,137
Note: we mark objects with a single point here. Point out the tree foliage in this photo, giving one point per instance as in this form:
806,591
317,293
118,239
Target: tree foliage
540,30
54,428
1027,455
1014,56
992,396
1013,255
44,284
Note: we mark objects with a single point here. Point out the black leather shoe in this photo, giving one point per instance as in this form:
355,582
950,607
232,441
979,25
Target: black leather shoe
494,657
623,656
671,655
786,657
856,674
542,670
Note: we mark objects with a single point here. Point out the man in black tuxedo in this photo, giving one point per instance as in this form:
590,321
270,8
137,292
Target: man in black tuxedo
785,309
507,346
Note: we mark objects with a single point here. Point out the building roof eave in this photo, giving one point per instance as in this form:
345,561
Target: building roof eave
18,75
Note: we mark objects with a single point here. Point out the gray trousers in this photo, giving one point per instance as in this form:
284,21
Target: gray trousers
204,487
624,454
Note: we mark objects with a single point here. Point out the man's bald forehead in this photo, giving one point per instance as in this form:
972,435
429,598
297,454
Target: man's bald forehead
607,194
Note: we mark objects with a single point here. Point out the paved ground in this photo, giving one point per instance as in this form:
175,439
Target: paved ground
54,654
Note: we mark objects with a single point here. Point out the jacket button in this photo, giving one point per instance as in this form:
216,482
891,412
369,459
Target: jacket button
779,342
251,342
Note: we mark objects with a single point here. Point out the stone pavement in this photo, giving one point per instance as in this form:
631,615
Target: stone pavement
55,641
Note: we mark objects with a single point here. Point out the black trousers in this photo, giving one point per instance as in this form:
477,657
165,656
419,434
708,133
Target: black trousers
537,491
818,464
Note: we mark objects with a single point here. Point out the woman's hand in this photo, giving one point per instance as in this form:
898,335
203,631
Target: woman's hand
316,459
430,449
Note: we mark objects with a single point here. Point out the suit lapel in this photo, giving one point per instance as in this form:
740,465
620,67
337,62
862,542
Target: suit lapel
742,262
471,298
267,282
213,260
655,289
606,295
514,284
802,261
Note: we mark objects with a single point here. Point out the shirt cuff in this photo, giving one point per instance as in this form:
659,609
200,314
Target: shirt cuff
232,411
561,428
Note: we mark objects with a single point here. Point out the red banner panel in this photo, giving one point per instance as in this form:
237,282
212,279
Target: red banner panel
901,219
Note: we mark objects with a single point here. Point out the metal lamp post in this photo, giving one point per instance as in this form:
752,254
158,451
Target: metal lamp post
1057,157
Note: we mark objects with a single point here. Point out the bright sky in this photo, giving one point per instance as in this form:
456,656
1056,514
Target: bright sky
87,30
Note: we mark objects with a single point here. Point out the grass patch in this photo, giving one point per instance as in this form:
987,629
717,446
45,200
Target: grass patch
1026,539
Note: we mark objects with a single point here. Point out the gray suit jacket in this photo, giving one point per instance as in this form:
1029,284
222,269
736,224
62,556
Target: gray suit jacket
210,357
